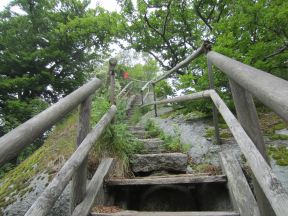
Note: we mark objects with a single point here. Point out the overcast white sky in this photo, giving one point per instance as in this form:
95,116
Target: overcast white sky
110,5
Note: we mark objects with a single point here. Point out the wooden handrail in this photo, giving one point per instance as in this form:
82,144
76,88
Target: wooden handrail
47,199
124,89
272,187
270,90
183,63
17,139
197,95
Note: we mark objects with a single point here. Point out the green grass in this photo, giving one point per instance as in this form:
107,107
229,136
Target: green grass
279,154
171,143
60,143
210,132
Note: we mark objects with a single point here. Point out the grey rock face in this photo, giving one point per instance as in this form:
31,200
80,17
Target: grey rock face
174,162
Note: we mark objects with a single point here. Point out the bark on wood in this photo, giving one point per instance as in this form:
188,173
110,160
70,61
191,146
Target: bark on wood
248,118
14,141
78,189
269,89
271,186
135,213
112,89
240,192
94,186
167,180
47,199
214,109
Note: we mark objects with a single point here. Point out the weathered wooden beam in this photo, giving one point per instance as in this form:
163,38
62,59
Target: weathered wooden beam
79,180
269,89
145,86
248,118
94,186
241,194
13,142
124,89
47,199
197,95
214,109
199,213
168,180
183,63
112,65
271,186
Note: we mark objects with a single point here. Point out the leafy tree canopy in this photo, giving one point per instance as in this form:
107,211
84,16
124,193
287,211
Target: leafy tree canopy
46,52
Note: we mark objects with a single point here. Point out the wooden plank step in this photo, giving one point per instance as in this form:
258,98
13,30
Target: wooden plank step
182,179
172,162
199,213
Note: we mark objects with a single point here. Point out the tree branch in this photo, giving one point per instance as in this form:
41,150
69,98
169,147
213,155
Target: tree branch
277,52
201,17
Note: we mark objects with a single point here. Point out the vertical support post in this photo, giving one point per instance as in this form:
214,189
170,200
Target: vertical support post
154,95
214,109
142,97
248,118
79,180
112,65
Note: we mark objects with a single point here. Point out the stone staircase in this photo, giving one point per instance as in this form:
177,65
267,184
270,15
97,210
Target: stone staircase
162,187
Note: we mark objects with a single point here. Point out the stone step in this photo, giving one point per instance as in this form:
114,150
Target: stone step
153,145
135,128
167,180
171,162
187,213
141,134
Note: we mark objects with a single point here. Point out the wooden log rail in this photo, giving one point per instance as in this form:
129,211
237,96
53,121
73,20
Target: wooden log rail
203,49
122,92
47,199
270,90
271,186
17,139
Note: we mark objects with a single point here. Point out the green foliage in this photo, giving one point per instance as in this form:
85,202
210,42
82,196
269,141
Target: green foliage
279,154
171,143
250,31
136,116
46,52
117,141
163,89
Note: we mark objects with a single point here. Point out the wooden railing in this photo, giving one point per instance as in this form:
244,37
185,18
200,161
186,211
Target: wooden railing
245,82
13,142
75,168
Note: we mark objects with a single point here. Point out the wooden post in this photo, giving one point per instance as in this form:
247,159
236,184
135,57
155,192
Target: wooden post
248,118
214,109
142,97
78,189
154,95
112,65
